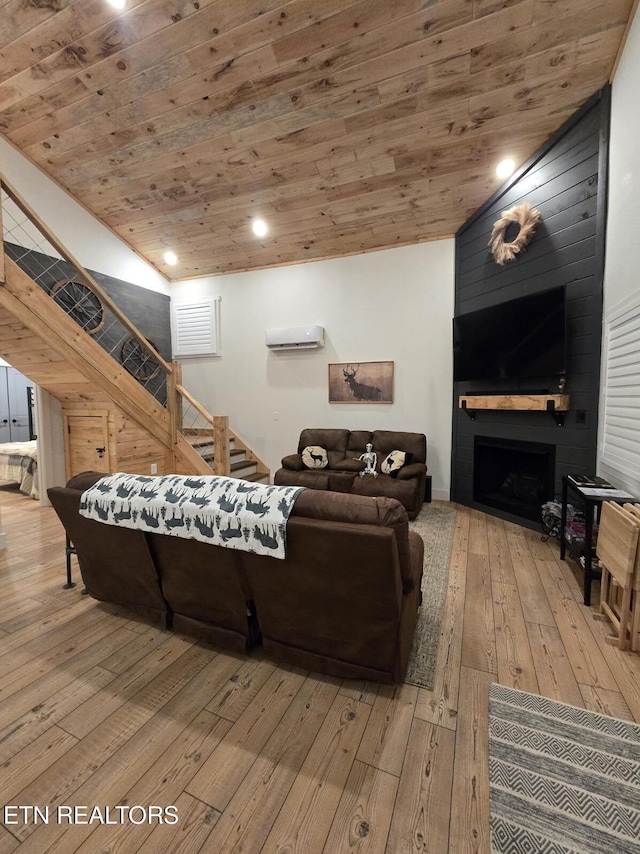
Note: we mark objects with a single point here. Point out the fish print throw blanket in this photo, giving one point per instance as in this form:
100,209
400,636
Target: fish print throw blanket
222,511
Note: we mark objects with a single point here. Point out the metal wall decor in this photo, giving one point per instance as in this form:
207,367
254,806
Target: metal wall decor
80,302
138,360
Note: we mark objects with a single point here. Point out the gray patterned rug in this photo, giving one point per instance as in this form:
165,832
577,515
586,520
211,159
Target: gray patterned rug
563,780
435,524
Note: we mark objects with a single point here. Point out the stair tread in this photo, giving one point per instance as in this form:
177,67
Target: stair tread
241,465
256,476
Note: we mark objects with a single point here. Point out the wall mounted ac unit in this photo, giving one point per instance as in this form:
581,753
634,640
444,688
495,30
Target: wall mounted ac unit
295,338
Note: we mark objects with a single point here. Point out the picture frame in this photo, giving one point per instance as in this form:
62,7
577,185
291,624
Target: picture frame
361,382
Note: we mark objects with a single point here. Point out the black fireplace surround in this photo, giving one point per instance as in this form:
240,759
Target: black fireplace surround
513,476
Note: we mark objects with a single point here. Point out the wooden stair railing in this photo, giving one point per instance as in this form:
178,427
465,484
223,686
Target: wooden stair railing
209,435
183,425
106,300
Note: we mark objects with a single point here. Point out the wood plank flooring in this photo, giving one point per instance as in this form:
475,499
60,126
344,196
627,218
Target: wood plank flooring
99,709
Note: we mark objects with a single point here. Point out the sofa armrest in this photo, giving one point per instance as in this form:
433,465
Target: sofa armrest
412,470
412,574
293,462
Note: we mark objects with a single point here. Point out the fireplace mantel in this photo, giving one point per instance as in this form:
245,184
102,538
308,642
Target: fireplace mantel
556,404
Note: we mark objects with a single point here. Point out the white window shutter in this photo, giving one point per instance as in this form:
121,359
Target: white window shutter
195,328
620,448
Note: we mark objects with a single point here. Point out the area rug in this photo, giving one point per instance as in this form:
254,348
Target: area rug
435,524
562,779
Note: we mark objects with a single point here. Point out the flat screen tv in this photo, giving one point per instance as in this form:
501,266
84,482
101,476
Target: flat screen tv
523,338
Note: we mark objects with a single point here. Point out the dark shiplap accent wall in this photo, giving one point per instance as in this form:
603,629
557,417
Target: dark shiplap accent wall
566,181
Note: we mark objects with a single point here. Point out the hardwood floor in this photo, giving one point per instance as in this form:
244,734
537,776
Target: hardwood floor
98,709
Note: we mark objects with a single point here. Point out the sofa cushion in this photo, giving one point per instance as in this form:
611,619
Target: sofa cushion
385,441
394,461
315,457
383,485
312,478
367,510
114,562
341,481
350,465
358,441
335,441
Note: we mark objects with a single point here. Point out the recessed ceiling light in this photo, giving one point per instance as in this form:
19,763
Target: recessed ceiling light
505,168
117,4
170,258
259,227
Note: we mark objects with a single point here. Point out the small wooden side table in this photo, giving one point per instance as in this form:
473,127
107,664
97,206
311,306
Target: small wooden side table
591,498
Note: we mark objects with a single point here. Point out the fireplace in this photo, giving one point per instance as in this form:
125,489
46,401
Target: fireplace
513,476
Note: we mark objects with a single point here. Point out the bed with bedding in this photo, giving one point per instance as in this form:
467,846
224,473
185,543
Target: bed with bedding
19,463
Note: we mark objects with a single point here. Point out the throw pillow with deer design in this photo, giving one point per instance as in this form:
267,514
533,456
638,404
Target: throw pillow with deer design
315,457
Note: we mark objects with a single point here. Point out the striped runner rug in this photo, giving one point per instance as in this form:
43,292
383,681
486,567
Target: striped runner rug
562,779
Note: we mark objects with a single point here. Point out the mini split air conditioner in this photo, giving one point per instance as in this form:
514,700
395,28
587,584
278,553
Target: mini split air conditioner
295,338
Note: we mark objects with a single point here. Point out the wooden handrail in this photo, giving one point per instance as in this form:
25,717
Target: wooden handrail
175,390
219,429
59,247
32,307
181,390
221,459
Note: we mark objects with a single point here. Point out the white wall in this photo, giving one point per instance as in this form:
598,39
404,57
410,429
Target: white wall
94,245
621,282
395,304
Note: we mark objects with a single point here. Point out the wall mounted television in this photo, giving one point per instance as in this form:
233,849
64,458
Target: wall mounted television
523,338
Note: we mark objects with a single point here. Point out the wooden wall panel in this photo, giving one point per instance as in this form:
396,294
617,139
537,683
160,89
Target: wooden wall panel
135,450
131,448
566,181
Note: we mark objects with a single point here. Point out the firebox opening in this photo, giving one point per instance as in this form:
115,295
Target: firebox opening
514,476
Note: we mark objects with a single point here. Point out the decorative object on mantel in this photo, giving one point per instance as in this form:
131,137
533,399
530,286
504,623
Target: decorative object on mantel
523,215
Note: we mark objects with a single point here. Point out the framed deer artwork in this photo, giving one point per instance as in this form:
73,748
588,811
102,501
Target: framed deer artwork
361,382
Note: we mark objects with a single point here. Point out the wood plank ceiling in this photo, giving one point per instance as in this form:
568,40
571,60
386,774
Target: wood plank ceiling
346,125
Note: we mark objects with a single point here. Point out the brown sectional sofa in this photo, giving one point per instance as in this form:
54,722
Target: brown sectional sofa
343,602
342,471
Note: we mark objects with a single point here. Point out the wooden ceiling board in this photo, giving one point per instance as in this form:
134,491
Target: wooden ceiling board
349,125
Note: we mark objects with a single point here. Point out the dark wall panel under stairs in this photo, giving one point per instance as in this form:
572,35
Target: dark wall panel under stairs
566,181
148,310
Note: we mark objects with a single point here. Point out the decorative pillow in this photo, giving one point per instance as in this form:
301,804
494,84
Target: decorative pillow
394,461
315,457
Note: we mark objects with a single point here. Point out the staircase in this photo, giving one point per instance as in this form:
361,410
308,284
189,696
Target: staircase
242,465
60,329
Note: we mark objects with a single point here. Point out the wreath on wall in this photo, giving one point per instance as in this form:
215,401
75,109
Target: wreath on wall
523,215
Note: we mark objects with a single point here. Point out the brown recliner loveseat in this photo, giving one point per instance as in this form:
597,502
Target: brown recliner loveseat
344,601
342,473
